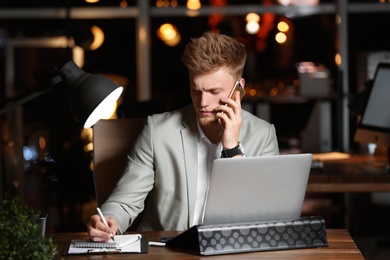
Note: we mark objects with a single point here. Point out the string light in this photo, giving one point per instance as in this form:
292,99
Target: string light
252,17
98,37
280,37
193,4
283,26
252,26
169,34
123,4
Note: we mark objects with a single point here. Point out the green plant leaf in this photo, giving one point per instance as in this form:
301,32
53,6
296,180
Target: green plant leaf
20,238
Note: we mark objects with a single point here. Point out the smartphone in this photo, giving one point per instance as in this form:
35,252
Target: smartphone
237,87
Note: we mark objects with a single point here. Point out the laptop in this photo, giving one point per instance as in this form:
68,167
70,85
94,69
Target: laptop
257,189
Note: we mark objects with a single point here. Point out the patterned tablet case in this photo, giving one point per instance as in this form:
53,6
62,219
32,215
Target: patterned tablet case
305,232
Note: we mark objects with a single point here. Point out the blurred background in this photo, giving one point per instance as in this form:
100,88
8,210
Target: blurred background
307,61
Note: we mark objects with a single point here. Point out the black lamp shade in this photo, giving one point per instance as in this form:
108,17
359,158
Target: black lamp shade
91,97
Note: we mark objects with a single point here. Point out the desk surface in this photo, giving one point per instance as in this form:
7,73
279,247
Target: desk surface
341,246
359,173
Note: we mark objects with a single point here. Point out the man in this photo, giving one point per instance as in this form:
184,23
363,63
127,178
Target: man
171,160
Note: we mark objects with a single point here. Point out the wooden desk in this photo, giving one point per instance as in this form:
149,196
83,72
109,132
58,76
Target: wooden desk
359,173
341,246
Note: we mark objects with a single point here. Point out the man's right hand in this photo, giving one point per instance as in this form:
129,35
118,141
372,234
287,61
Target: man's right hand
98,231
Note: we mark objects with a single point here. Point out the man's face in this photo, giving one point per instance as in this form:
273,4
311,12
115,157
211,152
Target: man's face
206,93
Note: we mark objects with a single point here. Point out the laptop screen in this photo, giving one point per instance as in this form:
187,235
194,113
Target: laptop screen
254,189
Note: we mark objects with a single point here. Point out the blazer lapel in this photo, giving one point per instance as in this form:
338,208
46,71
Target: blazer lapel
189,136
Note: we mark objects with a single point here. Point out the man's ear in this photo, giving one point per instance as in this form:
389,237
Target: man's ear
242,82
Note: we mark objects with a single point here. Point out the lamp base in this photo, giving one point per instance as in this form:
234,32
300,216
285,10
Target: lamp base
307,232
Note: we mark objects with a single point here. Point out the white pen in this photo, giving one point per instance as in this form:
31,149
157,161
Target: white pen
152,243
104,220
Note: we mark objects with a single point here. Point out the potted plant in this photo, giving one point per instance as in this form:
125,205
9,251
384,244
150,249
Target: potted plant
20,237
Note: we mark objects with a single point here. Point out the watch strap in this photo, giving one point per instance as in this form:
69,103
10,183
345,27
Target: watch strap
228,153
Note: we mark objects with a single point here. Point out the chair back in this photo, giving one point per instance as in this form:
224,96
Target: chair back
112,140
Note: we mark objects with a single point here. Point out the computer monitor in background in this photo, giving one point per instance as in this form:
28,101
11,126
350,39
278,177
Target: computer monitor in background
374,126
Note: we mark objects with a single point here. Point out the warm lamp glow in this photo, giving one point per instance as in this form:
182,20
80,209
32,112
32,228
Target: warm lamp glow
174,41
123,4
98,37
284,2
105,108
252,92
283,26
86,135
252,17
42,142
280,38
252,27
299,2
166,3
169,34
193,4
91,97
168,31
337,59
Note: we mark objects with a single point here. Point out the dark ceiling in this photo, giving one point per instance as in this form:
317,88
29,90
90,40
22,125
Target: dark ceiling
82,3
60,3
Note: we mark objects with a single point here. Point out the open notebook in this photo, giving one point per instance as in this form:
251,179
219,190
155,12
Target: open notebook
129,243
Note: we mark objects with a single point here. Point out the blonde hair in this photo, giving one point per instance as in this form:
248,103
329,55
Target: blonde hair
213,51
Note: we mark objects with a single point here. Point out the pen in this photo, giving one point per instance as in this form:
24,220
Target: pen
104,220
151,243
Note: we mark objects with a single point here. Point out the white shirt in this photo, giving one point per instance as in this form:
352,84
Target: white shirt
207,153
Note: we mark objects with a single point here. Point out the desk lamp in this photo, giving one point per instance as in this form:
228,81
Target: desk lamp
91,97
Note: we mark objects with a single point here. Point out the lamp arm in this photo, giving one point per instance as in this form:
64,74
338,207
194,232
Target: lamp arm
25,98
22,100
